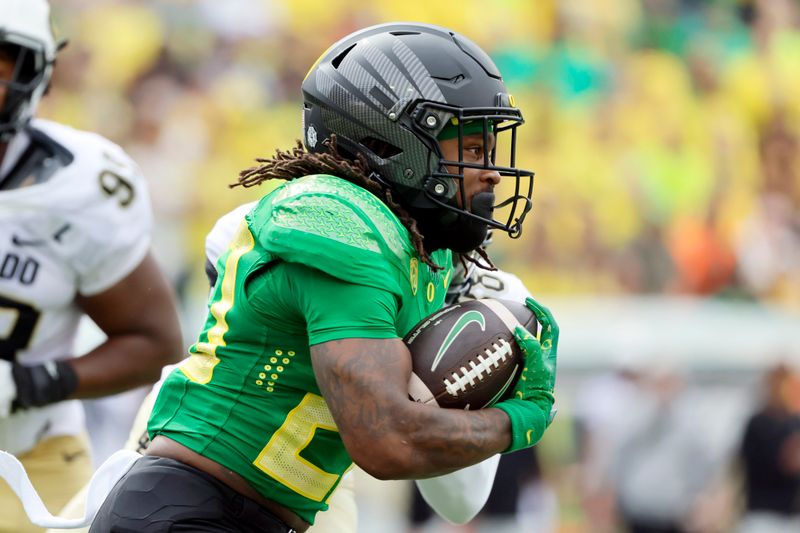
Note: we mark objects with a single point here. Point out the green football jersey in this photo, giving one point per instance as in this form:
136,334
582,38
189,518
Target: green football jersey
317,259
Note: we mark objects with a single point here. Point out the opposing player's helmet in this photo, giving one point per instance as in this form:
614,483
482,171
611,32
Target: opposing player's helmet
26,37
389,91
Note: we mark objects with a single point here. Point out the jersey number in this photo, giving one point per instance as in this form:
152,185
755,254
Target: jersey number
116,186
17,323
281,458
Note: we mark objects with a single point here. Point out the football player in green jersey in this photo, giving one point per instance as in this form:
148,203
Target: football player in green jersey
300,369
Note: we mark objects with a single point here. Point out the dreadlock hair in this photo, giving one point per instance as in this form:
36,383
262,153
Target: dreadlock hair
484,262
288,165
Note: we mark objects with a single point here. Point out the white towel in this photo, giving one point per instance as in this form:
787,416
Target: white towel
100,485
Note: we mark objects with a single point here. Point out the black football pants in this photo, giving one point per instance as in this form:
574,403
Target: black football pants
163,495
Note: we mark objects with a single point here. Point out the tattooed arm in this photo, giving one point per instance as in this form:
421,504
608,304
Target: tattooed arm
365,384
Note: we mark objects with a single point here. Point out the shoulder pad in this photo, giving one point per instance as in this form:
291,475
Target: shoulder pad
102,198
333,225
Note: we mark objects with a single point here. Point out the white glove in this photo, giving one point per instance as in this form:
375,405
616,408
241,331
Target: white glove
8,388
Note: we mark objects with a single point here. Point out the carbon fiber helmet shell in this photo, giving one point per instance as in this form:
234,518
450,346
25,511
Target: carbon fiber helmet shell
25,28
397,86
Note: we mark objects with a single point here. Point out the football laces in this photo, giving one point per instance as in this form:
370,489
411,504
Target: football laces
497,354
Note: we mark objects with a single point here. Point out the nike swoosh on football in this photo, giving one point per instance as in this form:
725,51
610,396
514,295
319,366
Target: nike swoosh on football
27,242
464,320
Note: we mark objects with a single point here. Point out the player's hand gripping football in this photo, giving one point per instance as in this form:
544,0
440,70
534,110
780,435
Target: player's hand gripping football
531,407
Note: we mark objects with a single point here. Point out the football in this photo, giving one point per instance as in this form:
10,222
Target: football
464,356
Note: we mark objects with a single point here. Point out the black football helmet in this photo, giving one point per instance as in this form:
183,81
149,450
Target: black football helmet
26,37
388,91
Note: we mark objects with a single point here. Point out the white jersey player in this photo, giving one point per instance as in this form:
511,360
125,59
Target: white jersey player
75,226
64,236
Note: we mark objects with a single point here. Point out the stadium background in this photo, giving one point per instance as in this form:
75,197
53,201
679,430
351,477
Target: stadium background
665,136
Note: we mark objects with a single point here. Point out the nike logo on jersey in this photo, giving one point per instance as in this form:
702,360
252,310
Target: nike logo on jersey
465,320
19,241
69,457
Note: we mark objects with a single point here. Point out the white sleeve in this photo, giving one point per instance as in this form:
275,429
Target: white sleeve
114,225
459,496
97,210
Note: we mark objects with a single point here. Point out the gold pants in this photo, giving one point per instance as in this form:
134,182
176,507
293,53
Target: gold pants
57,467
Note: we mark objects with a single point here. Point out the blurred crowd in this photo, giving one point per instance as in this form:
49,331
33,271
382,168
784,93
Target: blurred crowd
653,456
665,133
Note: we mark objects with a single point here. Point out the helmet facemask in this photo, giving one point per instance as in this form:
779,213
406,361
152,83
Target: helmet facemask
445,188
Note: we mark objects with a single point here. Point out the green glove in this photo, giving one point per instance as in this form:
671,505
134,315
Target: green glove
531,407
548,339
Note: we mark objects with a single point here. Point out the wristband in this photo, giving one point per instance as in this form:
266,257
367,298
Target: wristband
43,384
528,422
